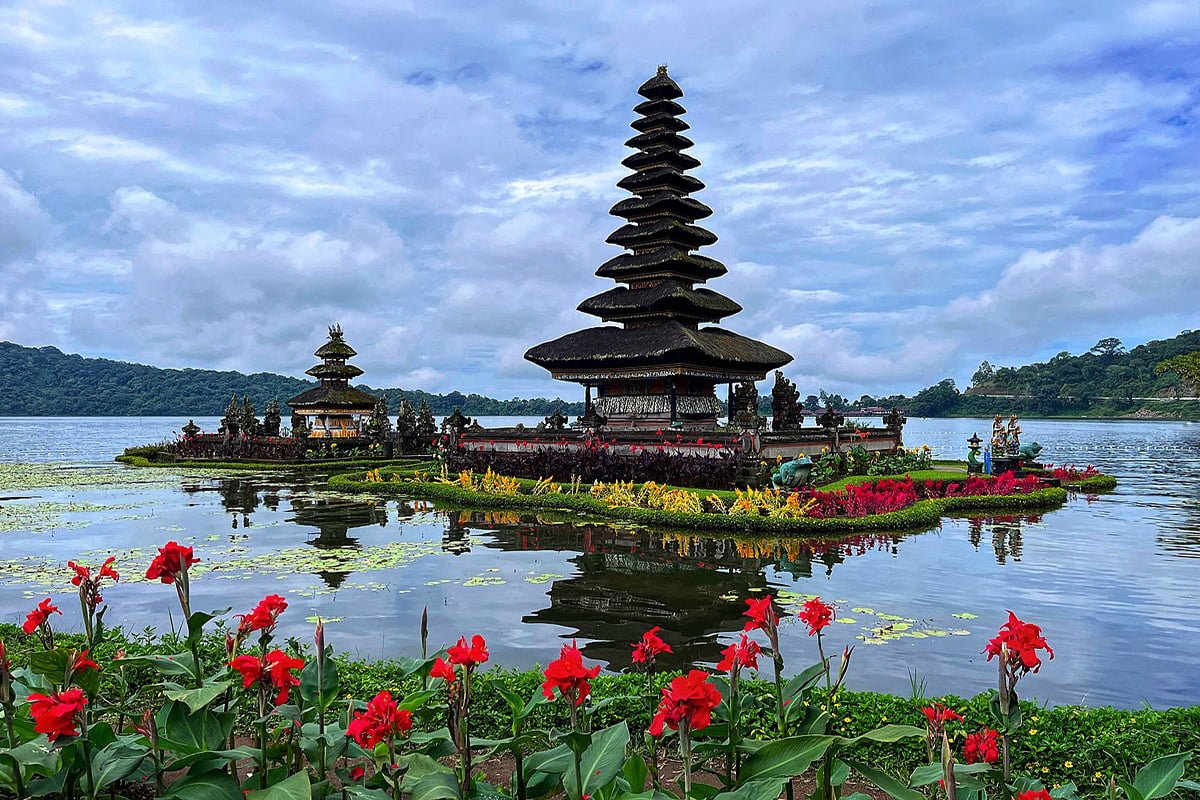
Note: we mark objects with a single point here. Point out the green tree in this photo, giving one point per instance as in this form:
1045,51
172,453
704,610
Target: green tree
985,374
1186,367
935,401
1106,348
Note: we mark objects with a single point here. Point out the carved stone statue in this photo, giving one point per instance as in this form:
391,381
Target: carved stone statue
378,427
744,413
426,427
894,420
272,418
1029,452
999,437
231,423
407,429
792,474
1014,434
831,420
191,429
786,408
299,426
456,423
249,418
556,421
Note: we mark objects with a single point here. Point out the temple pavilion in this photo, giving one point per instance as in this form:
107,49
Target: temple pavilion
661,361
334,409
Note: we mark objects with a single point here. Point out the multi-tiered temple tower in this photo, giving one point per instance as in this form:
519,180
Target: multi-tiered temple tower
658,366
334,409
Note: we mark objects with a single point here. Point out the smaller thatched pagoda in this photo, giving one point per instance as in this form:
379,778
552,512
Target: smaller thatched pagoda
335,409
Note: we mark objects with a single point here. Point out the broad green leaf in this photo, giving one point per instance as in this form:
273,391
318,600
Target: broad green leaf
554,761
887,734
926,774
1191,785
198,620
193,733
417,700
411,666
801,683
886,782
238,753
635,772
785,757
1068,791
363,793
36,753
324,695
765,789
196,699
173,665
204,786
295,787
51,664
600,763
1131,791
434,786
841,772
115,762
1158,778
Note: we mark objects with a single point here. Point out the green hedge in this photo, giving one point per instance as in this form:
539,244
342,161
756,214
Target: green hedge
921,514
1105,740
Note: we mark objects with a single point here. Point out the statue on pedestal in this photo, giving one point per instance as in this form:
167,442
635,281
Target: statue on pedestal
792,474
249,418
455,424
786,408
894,420
556,421
999,437
190,430
231,423
426,427
272,419
1014,435
744,413
299,426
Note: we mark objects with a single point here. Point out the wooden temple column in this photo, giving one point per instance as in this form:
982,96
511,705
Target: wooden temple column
674,402
587,398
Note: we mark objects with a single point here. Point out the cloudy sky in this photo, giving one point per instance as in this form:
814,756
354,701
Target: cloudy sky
901,189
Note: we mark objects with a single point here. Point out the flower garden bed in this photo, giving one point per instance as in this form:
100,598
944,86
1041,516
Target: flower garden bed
894,504
1088,480
223,711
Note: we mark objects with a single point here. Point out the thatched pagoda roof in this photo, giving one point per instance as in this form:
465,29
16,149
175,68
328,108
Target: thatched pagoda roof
668,297
346,397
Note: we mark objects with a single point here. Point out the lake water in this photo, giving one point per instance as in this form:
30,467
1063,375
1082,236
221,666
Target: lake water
1112,579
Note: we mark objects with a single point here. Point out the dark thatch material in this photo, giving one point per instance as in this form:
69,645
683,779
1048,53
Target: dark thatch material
661,262
665,343
648,108
660,87
347,398
660,179
667,297
335,348
661,204
660,122
334,371
660,157
644,141
661,232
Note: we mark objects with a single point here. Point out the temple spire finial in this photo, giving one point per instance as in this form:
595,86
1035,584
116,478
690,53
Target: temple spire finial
662,69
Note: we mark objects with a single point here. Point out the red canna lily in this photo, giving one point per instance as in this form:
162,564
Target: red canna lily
1022,640
82,662
468,656
57,714
280,667
568,674
39,616
650,647
263,616
173,560
938,714
1035,794
444,670
762,613
743,653
982,746
687,702
380,722
250,668
816,614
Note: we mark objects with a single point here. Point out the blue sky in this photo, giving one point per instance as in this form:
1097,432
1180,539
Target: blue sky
900,189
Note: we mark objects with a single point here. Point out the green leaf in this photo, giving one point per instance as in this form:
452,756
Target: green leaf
1158,778
173,665
210,785
554,761
841,773
115,762
198,620
635,772
764,789
189,733
51,664
886,782
323,695
926,774
237,753
801,683
295,787
785,757
440,785
196,699
417,700
363,793
600,763
1131,791
36,753
1192,785
887,734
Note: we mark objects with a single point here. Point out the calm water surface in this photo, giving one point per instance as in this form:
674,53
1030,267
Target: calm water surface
1112,579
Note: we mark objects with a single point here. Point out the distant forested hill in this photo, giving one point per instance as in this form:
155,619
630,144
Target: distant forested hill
1107,380
44,381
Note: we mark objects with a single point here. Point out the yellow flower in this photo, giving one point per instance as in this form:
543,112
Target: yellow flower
1033,731
1097,775
1068,764
883,719
1033,719
1045,769
847,719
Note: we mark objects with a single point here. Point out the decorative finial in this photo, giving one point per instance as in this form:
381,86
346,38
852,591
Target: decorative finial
662,69
335,331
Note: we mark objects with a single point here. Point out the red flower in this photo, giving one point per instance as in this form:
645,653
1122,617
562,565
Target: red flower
82,662
650,647
1039,794
743,653
816,614
356,773
250,667
84,573
938,715
173,560
57,714
861,434
568,674
468,657
380,722
982,746
1023,640
762,614
39,616
688,701
264,615
280,666
443,669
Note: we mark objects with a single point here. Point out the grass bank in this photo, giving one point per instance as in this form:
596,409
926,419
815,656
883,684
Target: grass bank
1057,744
326,465
921,514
